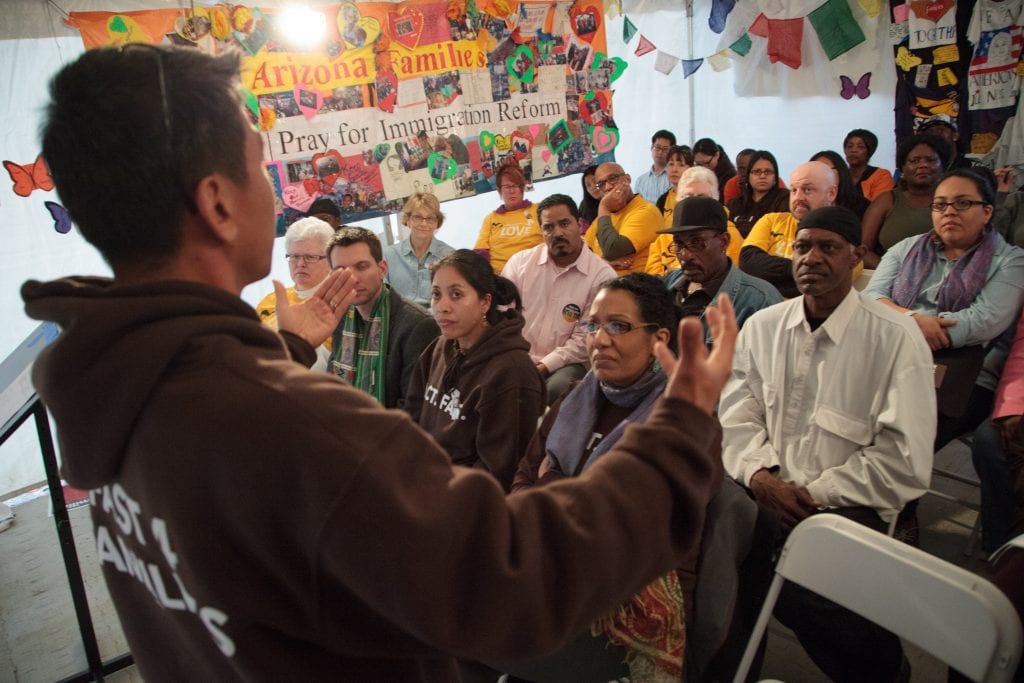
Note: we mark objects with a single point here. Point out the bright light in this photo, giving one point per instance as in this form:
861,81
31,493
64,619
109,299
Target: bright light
301,27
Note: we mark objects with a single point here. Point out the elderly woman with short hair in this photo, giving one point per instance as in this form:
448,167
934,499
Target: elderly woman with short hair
409,261
305,247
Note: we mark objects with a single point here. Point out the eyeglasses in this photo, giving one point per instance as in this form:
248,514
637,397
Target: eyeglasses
308,259
957,204
613,328
694,245
416,218
660,148
761,172
509,188
603,185
703,162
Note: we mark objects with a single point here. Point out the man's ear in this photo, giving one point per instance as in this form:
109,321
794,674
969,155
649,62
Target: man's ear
216,199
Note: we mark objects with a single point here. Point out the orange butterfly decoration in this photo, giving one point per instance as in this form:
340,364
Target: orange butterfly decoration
34,176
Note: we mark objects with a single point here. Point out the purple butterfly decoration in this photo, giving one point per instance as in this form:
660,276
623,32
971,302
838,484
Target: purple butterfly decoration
860,88
61,217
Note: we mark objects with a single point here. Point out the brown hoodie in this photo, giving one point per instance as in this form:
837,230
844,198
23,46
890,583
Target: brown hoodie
257,521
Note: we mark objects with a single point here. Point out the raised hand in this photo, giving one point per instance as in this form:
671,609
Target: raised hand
316,318
698,376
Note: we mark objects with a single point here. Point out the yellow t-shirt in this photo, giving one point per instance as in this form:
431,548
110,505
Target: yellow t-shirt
639,222
774,234
267,310
508,233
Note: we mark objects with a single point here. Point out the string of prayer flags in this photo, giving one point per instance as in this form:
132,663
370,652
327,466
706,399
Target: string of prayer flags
690,66
838,32
644,47
628,30
719,13
665,62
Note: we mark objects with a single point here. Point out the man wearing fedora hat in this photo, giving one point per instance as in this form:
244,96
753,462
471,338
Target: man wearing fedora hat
831,406
700,239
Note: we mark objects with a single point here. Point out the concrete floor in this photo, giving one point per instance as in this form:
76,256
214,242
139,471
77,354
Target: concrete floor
39,639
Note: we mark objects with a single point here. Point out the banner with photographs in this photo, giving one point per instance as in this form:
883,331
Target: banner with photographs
401,98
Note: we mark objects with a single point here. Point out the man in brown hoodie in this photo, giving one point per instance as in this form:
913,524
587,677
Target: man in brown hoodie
257,521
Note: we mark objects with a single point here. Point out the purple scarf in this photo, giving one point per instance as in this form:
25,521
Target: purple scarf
962,284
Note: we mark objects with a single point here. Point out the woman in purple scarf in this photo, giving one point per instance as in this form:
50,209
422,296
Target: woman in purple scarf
961,282
629,315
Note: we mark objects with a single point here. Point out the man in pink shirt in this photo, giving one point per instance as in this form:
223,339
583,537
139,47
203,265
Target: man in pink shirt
557,281
998,454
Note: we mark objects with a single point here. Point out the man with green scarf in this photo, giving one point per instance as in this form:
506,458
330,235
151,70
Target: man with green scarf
381,336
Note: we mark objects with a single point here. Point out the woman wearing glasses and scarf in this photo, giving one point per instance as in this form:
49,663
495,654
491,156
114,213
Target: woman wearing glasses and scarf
963,285
305,246
630,314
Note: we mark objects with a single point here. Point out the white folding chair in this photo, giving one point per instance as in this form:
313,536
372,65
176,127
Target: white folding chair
954,615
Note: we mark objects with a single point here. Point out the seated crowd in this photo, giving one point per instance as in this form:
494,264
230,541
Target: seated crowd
553,318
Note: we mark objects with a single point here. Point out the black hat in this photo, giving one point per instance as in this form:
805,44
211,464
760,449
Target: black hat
324,205
838,219
697,213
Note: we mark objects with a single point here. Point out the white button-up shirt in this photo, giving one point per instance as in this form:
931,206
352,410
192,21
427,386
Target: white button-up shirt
555,299
847,410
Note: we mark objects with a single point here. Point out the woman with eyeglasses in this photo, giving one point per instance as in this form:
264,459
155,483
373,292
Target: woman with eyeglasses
964,286
475,389
630,314
409,261
762,194
903,211
305,247
591,198
961,282
513,226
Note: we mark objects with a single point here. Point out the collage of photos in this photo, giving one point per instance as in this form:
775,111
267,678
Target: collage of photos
450,165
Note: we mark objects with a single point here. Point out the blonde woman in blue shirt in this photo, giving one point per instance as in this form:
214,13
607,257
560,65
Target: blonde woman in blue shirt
409,261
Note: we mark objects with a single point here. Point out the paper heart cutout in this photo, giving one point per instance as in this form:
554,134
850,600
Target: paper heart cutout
585,20
522,64
406,26
620,66
486,140
355,29
932,10
599,63
906,59
386,87
545,154
520,145
328,172
534,129
117,25
308,99
604,139
594,107
441,167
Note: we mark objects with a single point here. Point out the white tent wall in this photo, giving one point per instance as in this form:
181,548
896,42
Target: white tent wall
34,44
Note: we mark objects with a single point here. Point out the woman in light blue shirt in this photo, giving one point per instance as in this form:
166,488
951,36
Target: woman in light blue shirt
409,261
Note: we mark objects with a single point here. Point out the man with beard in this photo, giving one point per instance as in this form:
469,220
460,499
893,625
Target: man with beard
700,239
831,407
626,223
557,281
768,250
